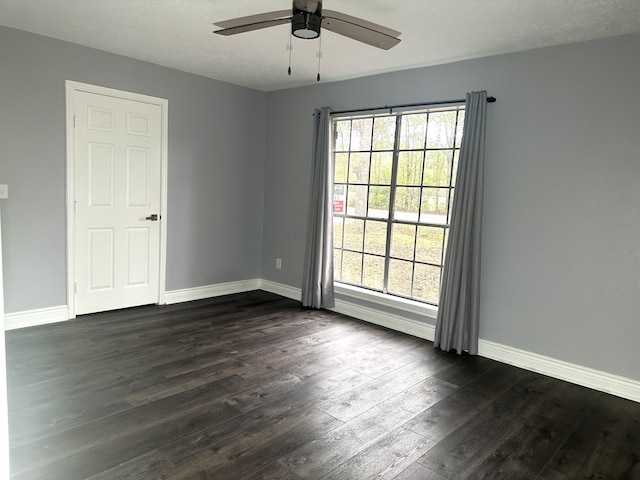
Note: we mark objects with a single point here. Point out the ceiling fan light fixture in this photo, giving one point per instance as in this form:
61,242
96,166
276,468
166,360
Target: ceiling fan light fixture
305,25
306,19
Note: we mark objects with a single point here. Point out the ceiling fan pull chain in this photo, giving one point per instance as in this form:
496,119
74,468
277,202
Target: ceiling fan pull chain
290,48
319,56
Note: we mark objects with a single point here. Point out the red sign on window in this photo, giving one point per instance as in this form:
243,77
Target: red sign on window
338,206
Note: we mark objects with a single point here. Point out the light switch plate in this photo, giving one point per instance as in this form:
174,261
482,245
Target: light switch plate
4,191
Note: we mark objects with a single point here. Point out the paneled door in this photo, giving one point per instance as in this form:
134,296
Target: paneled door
117,174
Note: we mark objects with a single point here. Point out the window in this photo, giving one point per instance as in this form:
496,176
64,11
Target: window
393,190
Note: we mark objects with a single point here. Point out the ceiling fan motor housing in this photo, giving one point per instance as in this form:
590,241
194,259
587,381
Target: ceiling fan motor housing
307,19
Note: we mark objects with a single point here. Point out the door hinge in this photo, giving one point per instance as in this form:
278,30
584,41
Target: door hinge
74,121
75,287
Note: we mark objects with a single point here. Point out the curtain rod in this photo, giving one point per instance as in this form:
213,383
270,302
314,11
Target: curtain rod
406,105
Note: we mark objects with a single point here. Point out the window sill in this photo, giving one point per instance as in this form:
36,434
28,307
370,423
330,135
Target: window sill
386,300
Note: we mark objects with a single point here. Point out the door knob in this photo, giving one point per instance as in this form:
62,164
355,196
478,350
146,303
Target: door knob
153,217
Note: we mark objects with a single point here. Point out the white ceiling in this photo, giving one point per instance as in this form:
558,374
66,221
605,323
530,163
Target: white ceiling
178,33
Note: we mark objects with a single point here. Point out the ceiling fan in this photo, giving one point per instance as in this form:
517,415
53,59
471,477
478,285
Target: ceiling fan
307,18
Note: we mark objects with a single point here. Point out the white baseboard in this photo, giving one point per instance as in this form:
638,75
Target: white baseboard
587,377
280,289
32,318
367,314
570,372
210,291
385,319
43,316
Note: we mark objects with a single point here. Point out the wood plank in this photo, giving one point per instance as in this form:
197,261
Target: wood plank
243,453
252,428
92,444
273,471
151,465
385,459
482,435
360,399
521,454
320,456
417,471
440,420
606,444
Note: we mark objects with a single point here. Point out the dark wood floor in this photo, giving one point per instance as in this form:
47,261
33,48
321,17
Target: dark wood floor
252,386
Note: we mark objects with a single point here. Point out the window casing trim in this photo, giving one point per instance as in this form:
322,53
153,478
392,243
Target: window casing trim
387,300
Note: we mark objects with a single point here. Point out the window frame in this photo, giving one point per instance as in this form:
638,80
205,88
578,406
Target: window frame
392,221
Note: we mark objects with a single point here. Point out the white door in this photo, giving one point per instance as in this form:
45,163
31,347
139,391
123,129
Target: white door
117,153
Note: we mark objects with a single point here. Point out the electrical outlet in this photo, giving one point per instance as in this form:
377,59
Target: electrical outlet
4,191
278,263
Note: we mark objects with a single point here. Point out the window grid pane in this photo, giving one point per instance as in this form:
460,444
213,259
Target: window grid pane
410,160
426,282
375,238
373,272
400,277
337,264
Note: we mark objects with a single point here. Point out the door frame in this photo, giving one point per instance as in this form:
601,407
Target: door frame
71,87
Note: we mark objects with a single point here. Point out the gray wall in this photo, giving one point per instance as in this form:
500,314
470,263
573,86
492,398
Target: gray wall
561,241
216,167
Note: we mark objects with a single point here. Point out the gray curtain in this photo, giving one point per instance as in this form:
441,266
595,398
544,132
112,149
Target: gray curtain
317,279
459,305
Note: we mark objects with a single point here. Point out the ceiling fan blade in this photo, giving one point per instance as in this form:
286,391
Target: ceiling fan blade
360,33
359,21
260,17
252,26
